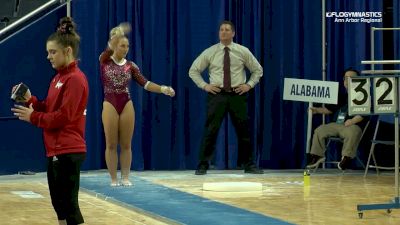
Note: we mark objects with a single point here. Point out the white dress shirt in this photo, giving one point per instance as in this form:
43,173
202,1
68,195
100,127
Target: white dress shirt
213,59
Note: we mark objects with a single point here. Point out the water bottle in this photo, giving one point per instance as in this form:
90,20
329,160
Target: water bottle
306,178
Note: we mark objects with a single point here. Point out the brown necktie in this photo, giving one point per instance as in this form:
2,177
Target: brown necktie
227,70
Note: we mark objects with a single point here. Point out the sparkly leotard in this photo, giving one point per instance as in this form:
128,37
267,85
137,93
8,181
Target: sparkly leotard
116,78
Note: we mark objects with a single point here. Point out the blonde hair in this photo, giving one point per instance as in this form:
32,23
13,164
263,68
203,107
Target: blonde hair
116,32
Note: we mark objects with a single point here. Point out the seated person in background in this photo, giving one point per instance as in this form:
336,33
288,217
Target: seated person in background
344,126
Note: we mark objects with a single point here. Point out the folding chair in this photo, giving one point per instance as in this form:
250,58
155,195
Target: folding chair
375,141
337,139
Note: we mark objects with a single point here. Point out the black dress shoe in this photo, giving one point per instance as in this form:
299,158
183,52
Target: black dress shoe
253,169
201,169
345,163
315,160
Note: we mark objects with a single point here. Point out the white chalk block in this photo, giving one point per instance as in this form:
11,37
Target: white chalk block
233,194
232,186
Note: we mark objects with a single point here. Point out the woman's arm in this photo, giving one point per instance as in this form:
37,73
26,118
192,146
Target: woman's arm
320,110
148,85
153,87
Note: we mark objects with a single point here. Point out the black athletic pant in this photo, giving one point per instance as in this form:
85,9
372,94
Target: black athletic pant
63,173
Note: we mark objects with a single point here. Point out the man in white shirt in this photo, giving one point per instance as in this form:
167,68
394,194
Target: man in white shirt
227,93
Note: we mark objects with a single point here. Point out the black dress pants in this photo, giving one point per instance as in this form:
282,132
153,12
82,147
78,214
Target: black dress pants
218,106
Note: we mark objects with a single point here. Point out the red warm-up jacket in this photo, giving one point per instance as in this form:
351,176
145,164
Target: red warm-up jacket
62,115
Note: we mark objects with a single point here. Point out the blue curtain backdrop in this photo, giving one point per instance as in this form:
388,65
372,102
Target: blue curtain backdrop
349,43
285,36
168,35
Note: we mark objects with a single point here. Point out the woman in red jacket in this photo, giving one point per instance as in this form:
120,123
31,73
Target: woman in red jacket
62,117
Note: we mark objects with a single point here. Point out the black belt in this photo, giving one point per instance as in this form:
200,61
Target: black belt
229,90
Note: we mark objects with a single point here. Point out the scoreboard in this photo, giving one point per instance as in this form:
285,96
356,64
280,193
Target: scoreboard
384,98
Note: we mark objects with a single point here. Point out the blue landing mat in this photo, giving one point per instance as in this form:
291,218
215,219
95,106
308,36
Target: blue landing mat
175,205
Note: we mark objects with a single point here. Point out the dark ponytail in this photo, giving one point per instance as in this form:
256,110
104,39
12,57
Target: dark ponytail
66,35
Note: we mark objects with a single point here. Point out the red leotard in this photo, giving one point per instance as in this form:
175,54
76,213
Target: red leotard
116,80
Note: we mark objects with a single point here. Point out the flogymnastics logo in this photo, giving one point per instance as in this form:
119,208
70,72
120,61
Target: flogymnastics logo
355,17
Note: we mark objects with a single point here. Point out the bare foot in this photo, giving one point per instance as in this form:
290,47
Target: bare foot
126,182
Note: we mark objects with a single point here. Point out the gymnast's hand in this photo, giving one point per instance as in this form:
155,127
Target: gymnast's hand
22,112
125,27
167,91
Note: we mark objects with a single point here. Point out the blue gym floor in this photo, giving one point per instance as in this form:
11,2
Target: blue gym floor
173,205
